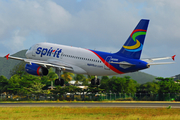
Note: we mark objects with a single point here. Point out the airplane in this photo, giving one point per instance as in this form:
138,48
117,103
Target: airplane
40,57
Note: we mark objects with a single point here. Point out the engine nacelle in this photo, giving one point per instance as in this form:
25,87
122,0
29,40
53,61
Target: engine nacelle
35,69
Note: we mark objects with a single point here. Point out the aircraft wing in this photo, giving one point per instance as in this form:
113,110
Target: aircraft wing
49,63
151,60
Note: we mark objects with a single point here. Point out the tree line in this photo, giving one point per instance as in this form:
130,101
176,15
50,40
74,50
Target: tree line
24,83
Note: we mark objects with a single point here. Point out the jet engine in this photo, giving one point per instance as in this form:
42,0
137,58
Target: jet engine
35,69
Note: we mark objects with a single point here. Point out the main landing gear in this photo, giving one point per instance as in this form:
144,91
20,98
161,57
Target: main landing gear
95,81
59,81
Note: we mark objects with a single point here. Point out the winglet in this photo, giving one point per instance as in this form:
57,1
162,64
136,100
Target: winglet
173,57
7,56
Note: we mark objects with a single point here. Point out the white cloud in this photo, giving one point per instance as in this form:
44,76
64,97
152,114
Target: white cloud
17,40
26,16
99,24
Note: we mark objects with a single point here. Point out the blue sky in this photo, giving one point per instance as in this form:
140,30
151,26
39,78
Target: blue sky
78,0
95,24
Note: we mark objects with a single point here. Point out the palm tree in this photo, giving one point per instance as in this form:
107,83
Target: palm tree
67,76
79,77
89,78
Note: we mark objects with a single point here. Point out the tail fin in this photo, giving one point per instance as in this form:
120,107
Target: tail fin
134,44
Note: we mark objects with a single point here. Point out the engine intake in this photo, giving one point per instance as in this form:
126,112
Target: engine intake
35,69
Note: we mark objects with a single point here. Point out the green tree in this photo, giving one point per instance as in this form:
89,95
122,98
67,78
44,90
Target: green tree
131,86
168,88
63,90
19,68
167,85
164,79
67,76
119,85
59,90
93,89
3,84
18,83
178,81
104,83
45,80
71,89
89,78
15,84
81,78
36,88
151,87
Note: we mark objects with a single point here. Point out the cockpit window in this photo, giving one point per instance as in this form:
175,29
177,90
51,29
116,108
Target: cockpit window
30,48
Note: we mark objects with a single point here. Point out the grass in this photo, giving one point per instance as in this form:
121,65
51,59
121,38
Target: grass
58,113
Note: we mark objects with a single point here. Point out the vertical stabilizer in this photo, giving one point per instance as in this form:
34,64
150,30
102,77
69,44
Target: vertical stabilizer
134,44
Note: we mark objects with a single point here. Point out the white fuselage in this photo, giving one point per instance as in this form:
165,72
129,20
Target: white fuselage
83,61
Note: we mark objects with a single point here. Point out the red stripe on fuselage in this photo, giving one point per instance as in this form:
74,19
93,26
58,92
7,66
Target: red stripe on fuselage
137,31
107,64
38,70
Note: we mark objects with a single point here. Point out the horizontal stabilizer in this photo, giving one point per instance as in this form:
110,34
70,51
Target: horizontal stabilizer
161,58
161,63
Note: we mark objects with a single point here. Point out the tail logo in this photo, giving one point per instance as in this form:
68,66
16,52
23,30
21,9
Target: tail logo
138,46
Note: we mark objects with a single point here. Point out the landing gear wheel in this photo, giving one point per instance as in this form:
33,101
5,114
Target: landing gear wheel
98,82
95,81
59,82
62,82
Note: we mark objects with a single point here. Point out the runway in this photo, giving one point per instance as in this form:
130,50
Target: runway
107,104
